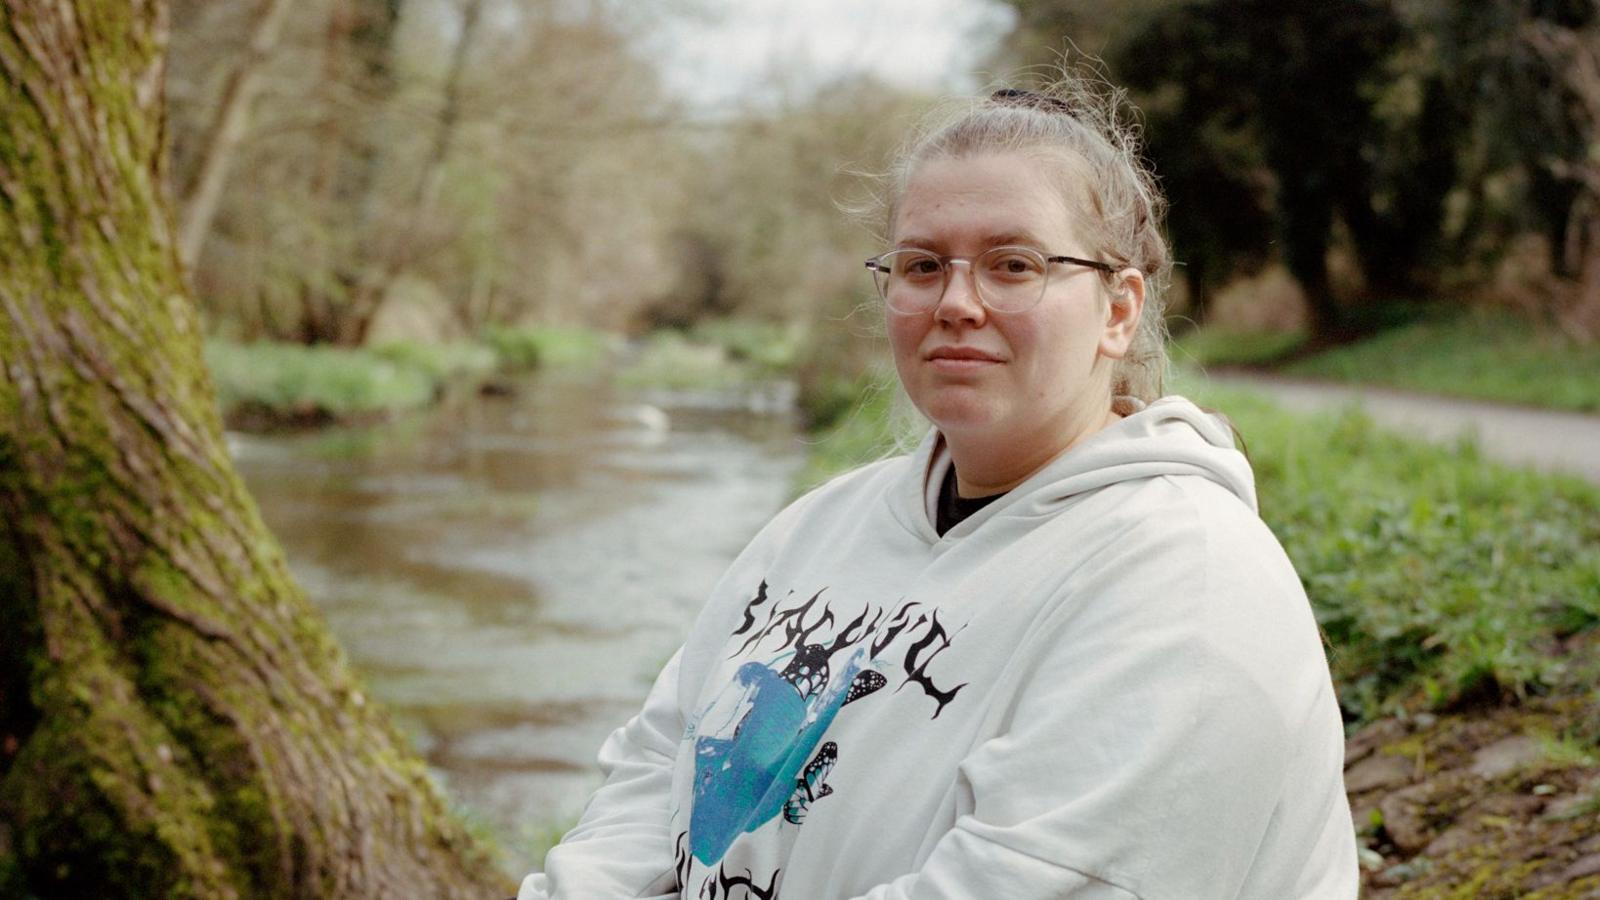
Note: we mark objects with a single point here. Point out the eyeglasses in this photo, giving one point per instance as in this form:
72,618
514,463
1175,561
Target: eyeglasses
1007,279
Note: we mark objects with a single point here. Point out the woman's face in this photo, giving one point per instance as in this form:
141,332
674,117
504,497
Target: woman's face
1034,381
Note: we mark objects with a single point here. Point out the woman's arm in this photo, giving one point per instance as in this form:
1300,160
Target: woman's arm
1174,735
622,848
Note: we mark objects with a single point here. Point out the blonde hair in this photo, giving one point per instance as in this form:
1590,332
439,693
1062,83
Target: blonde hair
1086,125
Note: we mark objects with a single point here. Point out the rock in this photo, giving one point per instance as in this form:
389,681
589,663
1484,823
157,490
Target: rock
1583,867
1455,838
1379,772
1404,817
1567,807
1363,743
1505,756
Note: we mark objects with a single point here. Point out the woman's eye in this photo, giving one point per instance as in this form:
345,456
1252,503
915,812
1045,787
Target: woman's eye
922,267
1014,267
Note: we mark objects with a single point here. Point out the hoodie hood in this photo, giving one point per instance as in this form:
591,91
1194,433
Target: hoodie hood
1171,436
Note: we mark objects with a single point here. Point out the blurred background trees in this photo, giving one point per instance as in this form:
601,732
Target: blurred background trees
1382,151
432,167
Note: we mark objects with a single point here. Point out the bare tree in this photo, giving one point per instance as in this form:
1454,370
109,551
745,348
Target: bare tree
198,201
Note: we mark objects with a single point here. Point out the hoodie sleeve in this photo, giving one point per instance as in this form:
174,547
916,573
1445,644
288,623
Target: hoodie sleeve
1174,695
621,846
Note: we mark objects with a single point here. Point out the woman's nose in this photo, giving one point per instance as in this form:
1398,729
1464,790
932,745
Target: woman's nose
960,301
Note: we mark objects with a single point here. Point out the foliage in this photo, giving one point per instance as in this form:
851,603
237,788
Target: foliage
1436,576
314,381
545,346
1493,356
1238,89
865,429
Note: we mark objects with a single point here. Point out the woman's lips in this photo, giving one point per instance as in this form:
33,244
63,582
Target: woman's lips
960,359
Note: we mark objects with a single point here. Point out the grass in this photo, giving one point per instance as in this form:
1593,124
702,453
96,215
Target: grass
311,384
1438,578
1482,354
267,385
1214,347
546,347
442,362
714,355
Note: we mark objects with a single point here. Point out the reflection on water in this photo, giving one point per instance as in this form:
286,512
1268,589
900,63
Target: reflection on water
509,573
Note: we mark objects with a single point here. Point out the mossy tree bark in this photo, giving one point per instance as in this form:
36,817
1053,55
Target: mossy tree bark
174,718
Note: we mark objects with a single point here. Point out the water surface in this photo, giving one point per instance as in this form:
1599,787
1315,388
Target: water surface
509,573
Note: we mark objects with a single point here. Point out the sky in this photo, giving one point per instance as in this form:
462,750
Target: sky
752,52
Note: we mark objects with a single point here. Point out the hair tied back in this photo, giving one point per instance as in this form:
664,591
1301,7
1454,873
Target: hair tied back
1030,100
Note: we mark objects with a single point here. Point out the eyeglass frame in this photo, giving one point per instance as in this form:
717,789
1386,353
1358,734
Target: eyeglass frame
875,264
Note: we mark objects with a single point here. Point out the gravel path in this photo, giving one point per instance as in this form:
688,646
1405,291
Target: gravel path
1543,439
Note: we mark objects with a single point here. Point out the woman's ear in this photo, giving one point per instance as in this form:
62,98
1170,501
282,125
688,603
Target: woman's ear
1122,313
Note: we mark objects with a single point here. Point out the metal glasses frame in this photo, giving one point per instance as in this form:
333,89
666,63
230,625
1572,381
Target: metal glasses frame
877,265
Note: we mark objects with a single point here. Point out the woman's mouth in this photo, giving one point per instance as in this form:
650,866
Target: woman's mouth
961,359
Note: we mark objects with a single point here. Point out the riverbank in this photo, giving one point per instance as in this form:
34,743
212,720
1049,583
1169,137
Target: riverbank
266,387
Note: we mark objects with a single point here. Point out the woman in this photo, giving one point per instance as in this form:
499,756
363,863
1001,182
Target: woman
1052,653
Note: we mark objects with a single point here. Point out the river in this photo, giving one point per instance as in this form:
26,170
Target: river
510,572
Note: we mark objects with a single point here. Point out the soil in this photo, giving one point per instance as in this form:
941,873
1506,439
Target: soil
1496,801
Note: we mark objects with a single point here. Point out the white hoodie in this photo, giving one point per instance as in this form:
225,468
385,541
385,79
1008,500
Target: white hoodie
1105,684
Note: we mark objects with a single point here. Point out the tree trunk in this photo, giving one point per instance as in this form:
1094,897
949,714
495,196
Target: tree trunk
175,720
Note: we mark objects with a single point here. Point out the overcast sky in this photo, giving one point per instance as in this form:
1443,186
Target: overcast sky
748,51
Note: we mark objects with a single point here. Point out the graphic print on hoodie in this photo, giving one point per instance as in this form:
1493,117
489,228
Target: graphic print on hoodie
759,753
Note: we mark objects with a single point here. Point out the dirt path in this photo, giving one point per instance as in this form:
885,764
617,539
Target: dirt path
1543,439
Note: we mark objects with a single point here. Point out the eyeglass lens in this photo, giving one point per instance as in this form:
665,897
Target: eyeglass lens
1008,279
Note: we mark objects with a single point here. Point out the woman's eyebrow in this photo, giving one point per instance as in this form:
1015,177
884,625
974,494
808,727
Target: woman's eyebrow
1004,238
995,239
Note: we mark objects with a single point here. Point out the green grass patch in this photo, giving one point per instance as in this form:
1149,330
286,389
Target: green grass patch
442,362
291,383
1437,577
1491,356
713,356
546,346
766,347
1216,347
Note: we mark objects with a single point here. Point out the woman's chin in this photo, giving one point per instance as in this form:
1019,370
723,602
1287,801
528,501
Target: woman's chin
965,416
